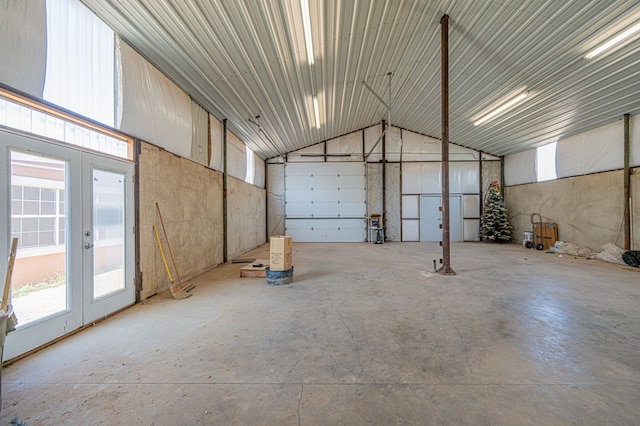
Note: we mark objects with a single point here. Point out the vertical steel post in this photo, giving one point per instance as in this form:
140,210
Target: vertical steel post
224,191
444,55
627,186
480,190
384,178
137,151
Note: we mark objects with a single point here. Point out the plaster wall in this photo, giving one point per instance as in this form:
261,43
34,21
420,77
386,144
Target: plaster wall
635,209
374,188
392,231
190,198
375,194
589,209
490,172
246,217
275,199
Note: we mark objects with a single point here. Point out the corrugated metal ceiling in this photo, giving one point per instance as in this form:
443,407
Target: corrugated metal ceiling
240,59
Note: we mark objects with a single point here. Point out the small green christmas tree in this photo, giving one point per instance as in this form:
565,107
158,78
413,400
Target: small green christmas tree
495,221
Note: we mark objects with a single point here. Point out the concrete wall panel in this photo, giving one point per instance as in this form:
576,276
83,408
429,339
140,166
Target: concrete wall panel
374,188
392,232
635,209
190,199
275,199
588,209
246,216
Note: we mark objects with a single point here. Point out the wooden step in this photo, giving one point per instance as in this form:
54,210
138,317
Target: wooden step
257,269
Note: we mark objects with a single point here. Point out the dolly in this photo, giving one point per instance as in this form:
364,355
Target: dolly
537,239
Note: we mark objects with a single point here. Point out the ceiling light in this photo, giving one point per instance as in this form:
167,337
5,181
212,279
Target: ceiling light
500,109
616,40
316,111
306,22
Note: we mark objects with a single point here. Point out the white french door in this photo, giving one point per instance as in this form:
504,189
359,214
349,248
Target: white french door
72,212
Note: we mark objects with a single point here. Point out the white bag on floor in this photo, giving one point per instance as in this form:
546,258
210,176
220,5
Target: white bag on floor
611,253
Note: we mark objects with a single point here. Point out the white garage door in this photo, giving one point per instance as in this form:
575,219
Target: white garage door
325,202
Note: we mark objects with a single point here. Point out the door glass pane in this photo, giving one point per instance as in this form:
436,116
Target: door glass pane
108,232
39,283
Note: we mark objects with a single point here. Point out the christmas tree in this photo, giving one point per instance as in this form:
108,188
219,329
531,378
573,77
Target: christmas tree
495,221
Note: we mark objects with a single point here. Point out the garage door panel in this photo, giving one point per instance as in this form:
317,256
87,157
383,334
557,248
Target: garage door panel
326,202
299,182
326,230
308,195
302,210
325,195
351,181
326,210
352,209
350,195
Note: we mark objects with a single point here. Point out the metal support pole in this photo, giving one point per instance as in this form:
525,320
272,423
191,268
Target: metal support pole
480,189
386,105
627,186
224,191
445,269
384,179
389,107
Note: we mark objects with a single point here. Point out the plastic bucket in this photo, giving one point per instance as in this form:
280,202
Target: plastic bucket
279,277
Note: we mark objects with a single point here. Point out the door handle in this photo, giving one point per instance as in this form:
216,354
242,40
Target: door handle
88,245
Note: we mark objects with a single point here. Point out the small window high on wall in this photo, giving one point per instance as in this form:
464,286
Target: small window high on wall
546,162
250,166
80,61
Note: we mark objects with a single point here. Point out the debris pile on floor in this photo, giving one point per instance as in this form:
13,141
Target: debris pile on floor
611,253
632,258
573,249
17,422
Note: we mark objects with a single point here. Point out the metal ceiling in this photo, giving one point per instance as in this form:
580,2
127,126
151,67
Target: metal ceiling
240,59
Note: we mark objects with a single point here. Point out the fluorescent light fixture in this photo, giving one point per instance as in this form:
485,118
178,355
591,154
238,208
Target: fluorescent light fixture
306,22
502,108
316,111
616,40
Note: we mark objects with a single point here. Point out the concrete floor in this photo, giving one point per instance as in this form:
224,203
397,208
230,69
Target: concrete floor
366,334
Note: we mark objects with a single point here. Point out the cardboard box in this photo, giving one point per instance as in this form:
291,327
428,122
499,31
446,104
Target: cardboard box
280,253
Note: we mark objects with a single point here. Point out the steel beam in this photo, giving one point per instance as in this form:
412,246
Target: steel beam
627,186
445,269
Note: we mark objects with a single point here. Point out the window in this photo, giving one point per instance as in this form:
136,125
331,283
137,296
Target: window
80,76
80,72
546,162
29,119
250,166
37,215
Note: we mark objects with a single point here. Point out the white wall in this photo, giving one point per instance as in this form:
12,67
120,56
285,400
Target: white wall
587,199
23,46
412,167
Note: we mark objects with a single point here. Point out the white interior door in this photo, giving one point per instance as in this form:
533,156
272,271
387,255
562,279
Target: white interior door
431,218
56,196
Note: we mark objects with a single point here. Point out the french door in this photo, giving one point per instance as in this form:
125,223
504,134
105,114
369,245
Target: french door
72,212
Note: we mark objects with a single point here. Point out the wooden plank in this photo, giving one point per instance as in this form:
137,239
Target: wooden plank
257,269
